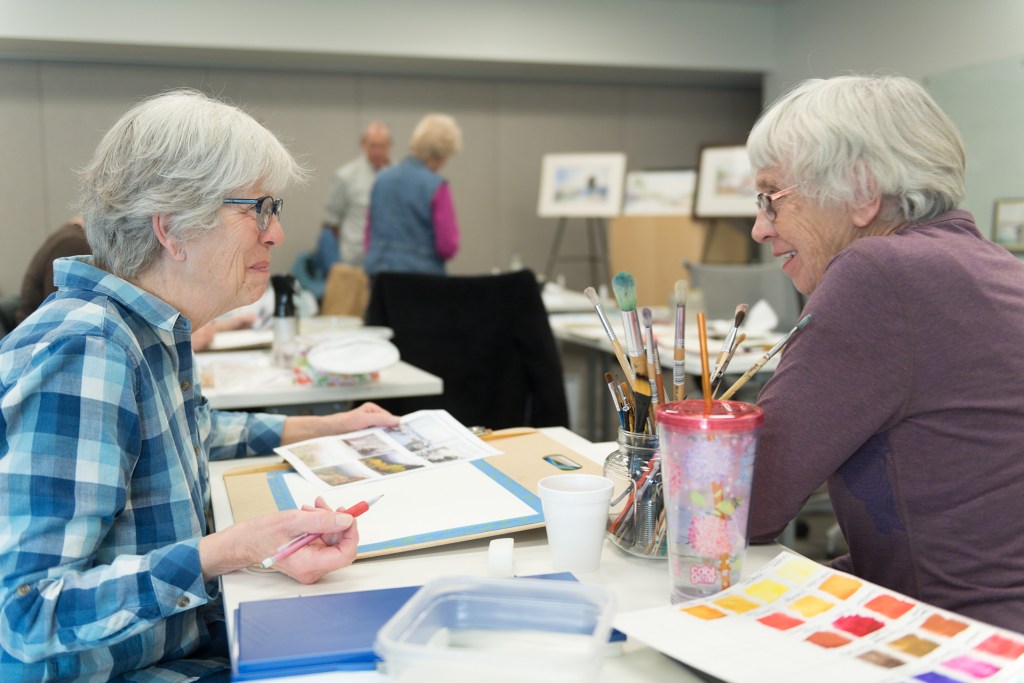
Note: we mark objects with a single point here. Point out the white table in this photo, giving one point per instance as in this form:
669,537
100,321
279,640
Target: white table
637,583
400,380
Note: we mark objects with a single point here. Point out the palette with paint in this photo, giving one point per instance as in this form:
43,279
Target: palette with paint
801,621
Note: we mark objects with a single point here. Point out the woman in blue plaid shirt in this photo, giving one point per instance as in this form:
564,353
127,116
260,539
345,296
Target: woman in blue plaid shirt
108,570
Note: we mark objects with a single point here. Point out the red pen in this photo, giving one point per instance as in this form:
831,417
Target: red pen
305,539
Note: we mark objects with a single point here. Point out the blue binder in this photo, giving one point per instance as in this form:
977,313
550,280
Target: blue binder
313,634
318,633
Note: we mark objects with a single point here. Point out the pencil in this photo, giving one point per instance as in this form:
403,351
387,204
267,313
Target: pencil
765,358
705,372
679,350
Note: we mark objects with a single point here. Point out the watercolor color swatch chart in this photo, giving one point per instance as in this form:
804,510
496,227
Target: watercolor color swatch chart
796,620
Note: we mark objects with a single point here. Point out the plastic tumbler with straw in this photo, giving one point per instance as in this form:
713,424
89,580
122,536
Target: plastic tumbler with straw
708,463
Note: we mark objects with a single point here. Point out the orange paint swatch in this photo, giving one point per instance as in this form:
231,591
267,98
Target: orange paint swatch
703,612
840,586
912,645
944,627
889,606
1003,647
809,606
781,621
827,639
736,603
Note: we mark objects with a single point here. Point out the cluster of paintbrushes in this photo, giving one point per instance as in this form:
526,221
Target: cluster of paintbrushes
636,397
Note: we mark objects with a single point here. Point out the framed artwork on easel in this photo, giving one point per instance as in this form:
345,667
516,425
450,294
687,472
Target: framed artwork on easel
725,183
1008,224
581,185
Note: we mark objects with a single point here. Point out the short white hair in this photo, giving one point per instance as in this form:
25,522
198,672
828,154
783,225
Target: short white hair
852,138
180,153
436,136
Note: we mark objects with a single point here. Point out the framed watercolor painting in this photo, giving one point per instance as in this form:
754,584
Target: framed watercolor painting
1008,224
725,183
660,193
586,185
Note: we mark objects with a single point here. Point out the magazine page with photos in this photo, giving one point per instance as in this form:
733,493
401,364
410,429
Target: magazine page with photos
424,439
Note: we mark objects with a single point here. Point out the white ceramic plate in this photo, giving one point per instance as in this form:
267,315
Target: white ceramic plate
353,355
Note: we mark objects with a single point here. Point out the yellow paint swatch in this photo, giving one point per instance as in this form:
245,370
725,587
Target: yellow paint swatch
766,590
798,570
736,603
840,586
810,605
703,612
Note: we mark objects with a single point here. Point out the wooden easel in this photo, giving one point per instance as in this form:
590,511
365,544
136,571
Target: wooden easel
597,240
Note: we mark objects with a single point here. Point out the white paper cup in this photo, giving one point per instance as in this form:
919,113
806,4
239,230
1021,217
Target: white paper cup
575,513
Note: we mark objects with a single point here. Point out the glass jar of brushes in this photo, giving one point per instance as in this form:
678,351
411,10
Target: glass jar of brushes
636,517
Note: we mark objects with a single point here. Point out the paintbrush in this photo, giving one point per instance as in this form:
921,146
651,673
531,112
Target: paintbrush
765,358
728,346
679,351
725,364
610,381
652,370
624,287
616,346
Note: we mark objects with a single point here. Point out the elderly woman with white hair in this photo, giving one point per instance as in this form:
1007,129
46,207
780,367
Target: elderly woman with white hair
411,227
904,393
108,569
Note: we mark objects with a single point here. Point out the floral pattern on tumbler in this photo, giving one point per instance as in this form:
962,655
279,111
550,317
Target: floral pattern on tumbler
708,466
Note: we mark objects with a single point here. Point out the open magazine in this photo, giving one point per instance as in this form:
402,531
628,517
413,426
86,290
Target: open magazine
424,439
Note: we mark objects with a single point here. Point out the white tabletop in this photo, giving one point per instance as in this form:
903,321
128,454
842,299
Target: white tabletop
637,583
399,380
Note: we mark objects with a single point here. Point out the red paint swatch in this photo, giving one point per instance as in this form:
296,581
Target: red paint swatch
857,625
1003,647
943,626
781,621
827,639
889,606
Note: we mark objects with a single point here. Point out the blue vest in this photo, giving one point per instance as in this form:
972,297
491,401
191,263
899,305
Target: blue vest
401,220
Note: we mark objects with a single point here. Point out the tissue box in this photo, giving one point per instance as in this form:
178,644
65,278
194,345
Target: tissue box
498,630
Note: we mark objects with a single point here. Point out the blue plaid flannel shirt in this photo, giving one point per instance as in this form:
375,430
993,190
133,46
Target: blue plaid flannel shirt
103,487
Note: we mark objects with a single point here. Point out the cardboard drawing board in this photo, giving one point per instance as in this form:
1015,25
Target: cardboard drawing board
458,502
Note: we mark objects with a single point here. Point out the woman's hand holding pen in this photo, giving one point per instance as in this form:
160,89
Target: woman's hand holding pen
249,542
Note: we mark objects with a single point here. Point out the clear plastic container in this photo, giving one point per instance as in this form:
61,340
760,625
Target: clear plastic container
499,630
636,522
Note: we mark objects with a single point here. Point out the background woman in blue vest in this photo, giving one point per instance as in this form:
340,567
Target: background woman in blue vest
411,225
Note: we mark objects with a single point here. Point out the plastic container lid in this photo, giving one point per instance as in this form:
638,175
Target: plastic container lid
726,416
499,630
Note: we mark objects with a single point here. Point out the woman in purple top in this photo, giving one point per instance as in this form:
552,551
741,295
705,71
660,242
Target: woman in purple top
905,392
411,224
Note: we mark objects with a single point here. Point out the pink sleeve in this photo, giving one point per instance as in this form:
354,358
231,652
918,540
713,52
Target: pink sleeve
366,232
446,228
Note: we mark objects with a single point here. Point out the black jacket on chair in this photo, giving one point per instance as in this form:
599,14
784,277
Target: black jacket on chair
487,337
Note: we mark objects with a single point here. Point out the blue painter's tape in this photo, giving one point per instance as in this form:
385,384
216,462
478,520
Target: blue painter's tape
279,489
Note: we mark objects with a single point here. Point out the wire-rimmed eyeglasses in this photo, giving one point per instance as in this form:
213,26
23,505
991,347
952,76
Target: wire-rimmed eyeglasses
265,208
764,201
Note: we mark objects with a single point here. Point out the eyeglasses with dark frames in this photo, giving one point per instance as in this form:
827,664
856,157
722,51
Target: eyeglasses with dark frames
265,208
764,201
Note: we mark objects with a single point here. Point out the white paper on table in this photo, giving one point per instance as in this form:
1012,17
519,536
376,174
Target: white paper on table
430,505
